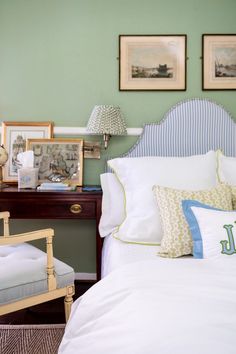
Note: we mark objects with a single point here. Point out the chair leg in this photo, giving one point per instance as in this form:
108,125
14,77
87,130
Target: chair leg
68,301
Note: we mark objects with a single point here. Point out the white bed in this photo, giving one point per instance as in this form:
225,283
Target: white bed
116,254
150,304
152,307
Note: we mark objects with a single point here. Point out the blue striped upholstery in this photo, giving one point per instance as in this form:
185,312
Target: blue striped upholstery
191,127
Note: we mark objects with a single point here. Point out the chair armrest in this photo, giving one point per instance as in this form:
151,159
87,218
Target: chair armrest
5,215
31,236
26,237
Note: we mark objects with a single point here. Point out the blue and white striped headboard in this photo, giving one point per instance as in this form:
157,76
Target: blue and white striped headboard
191,127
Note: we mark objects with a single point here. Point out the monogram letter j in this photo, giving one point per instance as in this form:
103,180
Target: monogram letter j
230,243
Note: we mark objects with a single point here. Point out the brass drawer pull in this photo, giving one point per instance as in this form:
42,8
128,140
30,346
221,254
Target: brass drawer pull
76,208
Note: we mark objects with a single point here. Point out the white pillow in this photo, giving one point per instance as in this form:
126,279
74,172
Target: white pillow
226,169
138,175
213,231
113,205
227,173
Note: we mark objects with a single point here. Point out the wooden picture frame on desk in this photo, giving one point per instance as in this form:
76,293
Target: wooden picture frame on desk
58,159
14,138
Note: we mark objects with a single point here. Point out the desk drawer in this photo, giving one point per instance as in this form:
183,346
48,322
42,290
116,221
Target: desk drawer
69,209
54,209
30,204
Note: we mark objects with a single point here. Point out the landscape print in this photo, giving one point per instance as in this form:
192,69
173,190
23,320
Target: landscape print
225,61
153,62
219,61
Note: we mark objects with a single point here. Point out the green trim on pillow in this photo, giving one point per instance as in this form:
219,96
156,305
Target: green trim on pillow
134,242
118,226
124,196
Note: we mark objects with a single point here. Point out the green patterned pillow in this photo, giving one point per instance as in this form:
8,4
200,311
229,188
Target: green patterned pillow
233,191
176,239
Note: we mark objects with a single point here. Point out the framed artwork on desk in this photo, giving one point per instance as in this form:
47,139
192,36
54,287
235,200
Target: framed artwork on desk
58,160
14,139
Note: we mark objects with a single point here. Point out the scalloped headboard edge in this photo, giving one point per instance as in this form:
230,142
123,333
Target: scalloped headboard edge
193,126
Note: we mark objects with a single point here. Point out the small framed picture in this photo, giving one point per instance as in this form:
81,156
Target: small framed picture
58,160
219,61
152,62
14,137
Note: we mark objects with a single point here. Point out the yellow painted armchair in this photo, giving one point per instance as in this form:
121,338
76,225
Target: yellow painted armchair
28,276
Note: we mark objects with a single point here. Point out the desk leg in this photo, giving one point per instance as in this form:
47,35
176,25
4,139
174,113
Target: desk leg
99,241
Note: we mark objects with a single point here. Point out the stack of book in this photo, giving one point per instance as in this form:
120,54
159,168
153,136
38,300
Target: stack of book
56,187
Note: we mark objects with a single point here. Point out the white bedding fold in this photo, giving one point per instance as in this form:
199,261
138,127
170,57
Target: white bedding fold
169,306
116,253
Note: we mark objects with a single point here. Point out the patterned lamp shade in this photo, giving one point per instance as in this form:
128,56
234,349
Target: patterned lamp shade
106,120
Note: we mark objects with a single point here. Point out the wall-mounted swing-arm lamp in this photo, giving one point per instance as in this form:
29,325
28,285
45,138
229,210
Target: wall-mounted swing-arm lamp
106,120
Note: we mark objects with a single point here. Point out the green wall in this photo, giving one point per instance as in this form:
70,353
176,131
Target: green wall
58,58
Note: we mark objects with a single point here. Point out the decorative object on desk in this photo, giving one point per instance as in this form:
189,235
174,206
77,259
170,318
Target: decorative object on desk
58,160
27,173
3,160
14,138
219,61
106,120
152,62
28,178
58,186
91,189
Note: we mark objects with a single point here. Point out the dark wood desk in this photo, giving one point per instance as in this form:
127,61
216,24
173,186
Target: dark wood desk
32,204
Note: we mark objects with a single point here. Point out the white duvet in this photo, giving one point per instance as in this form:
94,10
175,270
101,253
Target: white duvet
169,306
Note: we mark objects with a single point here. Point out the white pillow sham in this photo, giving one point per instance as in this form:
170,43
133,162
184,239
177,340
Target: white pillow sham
226,168
138,175
227,173
113,204
212,230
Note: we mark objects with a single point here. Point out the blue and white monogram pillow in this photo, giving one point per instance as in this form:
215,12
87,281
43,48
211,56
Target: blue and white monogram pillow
213,231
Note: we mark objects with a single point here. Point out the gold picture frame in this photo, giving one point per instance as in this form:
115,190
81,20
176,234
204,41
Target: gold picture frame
14,139
152,62
219,61
58,159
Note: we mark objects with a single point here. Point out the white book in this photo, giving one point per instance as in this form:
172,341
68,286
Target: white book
58,188
54,185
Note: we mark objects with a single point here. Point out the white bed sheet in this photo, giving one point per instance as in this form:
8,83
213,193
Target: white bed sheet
168,306
116,253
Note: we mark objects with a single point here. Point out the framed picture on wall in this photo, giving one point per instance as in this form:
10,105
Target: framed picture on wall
152,62
14,138
58,160
219,61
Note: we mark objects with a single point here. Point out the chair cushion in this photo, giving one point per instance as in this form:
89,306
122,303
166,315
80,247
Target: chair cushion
23,272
